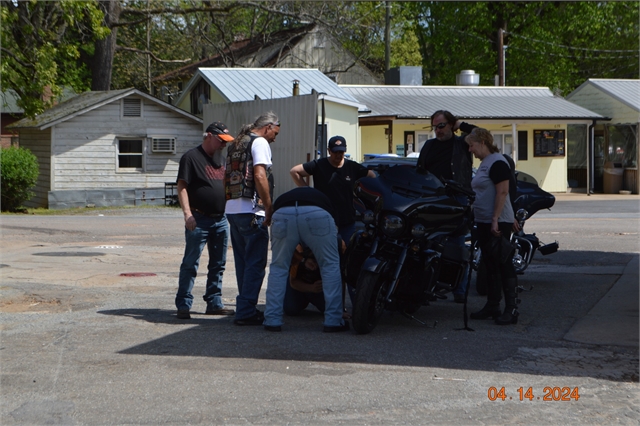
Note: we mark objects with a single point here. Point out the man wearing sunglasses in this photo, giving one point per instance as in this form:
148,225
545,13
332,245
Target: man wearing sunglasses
447,157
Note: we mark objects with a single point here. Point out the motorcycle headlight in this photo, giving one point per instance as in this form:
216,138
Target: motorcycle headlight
368,217
392,226
418,230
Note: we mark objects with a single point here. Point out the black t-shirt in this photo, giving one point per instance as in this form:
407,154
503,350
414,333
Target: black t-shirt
205,181
499,172
337,184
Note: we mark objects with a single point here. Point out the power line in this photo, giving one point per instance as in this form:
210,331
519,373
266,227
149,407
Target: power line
552,44
511,47
571,47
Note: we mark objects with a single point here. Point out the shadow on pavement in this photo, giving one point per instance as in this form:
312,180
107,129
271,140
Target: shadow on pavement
534,346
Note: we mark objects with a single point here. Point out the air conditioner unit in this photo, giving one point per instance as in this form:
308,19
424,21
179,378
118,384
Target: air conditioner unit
163,144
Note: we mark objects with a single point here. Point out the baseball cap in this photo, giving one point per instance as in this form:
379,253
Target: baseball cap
337,143
219,129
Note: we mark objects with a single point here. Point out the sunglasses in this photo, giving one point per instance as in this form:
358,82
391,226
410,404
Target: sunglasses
441,126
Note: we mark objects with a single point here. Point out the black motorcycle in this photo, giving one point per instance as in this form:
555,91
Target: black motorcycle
402,258
530,198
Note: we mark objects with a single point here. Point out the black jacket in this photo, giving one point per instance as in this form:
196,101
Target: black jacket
461,160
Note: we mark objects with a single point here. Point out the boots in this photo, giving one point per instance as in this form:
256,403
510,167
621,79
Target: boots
492,307
510,315
490,310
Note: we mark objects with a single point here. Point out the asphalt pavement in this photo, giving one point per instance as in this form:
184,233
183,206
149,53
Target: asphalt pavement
89,335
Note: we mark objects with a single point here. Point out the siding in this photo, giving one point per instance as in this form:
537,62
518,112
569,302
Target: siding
39,143
85,154
298,116
329,59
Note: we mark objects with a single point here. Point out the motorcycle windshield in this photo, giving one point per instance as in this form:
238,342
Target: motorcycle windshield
419,196
532,198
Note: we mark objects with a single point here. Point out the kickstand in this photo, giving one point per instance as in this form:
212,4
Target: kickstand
420,321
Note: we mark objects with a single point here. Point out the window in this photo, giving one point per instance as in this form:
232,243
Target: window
421,138
131,154
163,144
504,142
132,108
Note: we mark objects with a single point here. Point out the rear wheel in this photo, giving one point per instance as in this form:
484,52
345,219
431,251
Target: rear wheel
370,301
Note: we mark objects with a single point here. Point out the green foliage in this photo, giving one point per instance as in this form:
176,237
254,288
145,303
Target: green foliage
553,44
18,173
44,47
48,44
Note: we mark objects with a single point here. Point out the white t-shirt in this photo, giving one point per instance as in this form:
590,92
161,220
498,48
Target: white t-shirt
261,153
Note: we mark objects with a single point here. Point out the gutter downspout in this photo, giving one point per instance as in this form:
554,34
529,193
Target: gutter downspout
590,159
321,143
514,138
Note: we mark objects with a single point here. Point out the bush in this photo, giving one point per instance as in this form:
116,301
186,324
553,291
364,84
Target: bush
18,173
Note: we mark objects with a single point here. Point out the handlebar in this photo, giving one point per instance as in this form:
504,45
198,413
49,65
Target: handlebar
452,184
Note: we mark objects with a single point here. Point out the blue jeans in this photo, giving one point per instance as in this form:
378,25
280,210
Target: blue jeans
315,228
250,245
296,301
215,234
462,287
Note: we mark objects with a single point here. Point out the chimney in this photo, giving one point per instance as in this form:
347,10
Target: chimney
467,78
403,76
296,87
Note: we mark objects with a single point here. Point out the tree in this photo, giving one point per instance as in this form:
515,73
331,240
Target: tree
43,48
554,44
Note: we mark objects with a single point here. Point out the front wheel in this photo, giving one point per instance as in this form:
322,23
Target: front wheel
370,301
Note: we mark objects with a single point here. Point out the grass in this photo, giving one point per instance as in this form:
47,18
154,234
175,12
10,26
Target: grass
80,211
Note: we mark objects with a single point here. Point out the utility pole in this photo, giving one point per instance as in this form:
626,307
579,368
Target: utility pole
387,36
500,57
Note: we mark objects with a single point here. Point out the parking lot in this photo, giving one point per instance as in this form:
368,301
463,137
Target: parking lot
89,335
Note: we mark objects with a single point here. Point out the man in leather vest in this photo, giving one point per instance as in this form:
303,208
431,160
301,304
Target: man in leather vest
447,157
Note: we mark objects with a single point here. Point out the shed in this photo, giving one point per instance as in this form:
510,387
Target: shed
109,148
615,142
337,110
528,123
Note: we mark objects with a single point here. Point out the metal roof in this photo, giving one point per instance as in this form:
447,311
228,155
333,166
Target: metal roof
85,102
626,91
479,102
244,84
9,100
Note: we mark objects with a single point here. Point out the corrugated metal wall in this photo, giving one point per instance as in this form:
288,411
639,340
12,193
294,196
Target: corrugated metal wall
298,118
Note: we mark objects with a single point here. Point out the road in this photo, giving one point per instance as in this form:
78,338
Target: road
82,344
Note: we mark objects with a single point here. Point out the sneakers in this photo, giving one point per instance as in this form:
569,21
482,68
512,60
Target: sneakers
183,314
274,328
336,328
219,311
256,319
